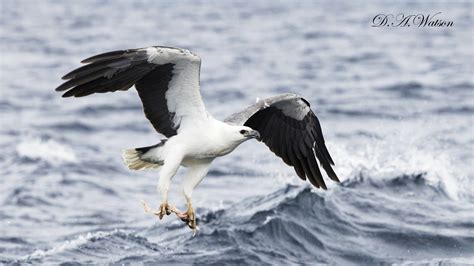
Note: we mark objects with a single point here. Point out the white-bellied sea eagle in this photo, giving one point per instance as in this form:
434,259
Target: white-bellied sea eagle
167,81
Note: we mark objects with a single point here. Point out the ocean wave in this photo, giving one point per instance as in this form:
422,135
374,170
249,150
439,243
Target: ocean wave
404,152
363,220
297,224
395,184
68,245
92,247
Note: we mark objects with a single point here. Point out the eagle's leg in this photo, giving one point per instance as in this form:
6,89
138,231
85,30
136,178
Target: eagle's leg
169,169
193,177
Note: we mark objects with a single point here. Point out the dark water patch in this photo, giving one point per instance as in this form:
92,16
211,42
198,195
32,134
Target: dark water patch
108,108
313,35
407,90
456,88
132,127
358,134
360,113
90,185
217,172
6,105
232,171
99,168
404,180
468,110
74,126
70,263
241,61
40,166
460,86
28,201
14,240
83,21
210,216
362,57
31,160
24,197
310,66
101,218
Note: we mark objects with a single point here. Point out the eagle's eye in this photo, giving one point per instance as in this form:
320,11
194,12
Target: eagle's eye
243,131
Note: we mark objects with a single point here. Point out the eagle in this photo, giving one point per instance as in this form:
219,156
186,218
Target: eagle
167,82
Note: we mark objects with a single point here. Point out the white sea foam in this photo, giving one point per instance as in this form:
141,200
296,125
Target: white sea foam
401,154
68,245
392,154
47,150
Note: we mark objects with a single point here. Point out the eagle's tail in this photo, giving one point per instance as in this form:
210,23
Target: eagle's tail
139,158
131,158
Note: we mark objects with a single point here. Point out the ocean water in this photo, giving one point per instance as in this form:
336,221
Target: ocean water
396,106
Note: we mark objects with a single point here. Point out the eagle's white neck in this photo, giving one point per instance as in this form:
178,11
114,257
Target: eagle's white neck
212,138
226,138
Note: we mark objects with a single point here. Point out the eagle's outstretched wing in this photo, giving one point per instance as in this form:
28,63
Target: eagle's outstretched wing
291,130
166,78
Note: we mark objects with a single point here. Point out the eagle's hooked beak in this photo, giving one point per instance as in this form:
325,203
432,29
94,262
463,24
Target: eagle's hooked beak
253,135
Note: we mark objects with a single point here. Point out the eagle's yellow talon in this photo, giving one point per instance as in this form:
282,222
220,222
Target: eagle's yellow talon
165,209
189,217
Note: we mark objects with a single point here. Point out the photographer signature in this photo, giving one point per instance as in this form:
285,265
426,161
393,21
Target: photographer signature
402,20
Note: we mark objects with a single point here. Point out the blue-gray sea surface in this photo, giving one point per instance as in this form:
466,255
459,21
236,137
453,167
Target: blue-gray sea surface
396,105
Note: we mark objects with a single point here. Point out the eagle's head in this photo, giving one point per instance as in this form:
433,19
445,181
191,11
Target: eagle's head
232,136
244,133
